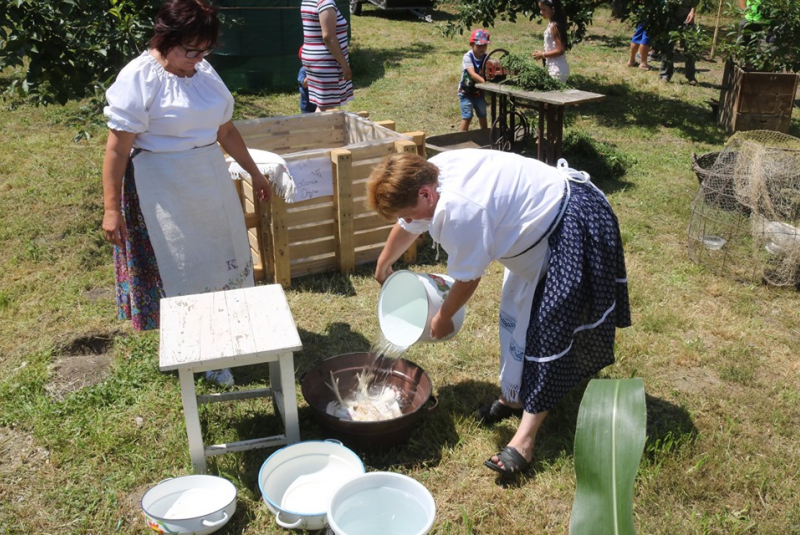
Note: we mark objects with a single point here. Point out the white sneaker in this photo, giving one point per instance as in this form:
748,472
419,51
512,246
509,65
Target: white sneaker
222,377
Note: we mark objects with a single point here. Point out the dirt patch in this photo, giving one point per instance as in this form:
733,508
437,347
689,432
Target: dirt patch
694,380
21,460
96,295
83,361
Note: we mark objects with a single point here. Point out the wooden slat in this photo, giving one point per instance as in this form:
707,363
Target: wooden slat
419,141
310,232
279,125
317,214
370,237
317,265
343,210
296,141
391,125
368,254
405,145
280,240
306,249
378,150
370,221
316,202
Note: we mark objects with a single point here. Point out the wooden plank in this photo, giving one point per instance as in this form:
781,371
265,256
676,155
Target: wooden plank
370,237
368,254
303,250
321,121
251,219
280,241
343,210
567,97
317,214
317,265
405,145
265,241
296,141
419,139
316,202
311,232
370,221
388,124
377,150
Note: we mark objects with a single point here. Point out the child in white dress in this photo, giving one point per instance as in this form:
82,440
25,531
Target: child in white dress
555,40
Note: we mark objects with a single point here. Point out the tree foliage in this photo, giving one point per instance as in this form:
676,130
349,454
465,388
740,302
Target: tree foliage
66,49
485,12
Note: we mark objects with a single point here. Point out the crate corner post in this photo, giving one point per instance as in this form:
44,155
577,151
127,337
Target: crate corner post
342,162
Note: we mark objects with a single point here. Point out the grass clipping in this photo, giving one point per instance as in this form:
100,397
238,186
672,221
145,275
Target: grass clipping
528,74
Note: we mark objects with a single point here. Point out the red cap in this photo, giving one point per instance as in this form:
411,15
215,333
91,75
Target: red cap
479,37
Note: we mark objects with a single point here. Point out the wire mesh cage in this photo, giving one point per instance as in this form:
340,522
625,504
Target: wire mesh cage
746,215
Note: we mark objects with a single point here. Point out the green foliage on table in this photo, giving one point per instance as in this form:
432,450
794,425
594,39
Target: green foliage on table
528,73
609,441
66,49
580,14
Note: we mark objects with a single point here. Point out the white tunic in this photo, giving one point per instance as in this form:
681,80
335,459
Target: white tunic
497,206
556,66
168,113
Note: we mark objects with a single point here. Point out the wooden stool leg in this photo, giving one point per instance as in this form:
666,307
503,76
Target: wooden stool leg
197,451
290,418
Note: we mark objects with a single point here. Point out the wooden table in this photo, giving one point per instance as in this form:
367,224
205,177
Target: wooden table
550,105
227,329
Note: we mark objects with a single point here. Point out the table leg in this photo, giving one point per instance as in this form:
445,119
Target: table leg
559,133
197,451
290,419
541,141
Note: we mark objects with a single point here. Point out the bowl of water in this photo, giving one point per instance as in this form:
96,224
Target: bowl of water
381,502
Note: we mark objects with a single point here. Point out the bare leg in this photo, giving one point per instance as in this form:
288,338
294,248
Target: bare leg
524,438
643,51
483,123
464,125
632,60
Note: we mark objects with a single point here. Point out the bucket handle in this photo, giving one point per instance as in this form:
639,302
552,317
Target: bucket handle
334,441
210,524
287,525
435,403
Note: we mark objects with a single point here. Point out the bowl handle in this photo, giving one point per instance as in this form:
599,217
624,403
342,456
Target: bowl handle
334,441
435,403
287,525
209,524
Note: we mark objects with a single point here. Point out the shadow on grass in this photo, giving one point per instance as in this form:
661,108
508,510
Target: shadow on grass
626,107
370,64
617,42
371,11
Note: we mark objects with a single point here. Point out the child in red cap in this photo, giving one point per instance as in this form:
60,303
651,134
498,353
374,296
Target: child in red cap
472,99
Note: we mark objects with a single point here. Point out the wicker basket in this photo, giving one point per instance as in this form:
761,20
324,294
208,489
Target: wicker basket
717,186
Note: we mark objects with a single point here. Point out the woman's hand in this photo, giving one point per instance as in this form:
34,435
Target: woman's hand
441,326
382,273
347,73
114,228
538,54
261,185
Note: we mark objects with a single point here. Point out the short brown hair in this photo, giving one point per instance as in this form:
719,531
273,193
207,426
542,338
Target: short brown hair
185,21
394,183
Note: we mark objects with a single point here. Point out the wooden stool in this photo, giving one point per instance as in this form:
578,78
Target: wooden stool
227,329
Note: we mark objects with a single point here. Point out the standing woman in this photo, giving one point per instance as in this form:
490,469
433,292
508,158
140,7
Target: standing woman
325,55
564,287
555,40
171,209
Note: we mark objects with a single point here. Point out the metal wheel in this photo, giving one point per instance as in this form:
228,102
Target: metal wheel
355,7
509,133
491,71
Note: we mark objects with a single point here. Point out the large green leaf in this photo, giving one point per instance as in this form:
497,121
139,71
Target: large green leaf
609,441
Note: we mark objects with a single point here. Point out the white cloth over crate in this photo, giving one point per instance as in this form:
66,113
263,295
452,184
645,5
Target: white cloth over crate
274,168
194,219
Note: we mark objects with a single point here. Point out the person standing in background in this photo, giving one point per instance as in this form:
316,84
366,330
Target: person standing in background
682,16
555,40
640,44
302,87
471,99
325,55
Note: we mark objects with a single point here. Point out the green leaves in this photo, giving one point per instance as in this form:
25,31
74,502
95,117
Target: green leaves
609,441
65,46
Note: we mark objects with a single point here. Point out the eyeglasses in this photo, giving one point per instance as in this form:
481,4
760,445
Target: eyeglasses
193,53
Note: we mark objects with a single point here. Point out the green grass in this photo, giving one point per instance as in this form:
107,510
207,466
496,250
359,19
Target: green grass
718,357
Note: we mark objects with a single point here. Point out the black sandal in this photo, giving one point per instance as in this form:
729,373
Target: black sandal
494,412
513,462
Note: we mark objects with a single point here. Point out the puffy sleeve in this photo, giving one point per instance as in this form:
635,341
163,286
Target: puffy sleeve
130,96
418,226
464,231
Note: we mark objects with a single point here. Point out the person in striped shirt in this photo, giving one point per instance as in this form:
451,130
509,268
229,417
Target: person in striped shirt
325,55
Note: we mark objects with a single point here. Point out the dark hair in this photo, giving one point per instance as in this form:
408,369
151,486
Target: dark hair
184,21
559,18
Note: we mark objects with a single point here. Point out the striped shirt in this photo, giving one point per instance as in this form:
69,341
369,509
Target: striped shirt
324,73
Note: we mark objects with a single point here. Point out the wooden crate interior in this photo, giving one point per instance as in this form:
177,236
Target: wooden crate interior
332,232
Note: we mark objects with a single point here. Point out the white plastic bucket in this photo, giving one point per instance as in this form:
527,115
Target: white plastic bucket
381,502
408,302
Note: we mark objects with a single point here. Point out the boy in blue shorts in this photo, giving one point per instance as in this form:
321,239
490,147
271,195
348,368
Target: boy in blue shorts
472,99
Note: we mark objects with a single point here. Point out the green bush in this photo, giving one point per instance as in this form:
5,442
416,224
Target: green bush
529,74
66,49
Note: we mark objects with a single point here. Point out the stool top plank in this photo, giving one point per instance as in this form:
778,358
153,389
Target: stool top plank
564,97
226,329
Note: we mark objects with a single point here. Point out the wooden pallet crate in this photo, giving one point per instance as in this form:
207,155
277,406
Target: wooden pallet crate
752,100
328,232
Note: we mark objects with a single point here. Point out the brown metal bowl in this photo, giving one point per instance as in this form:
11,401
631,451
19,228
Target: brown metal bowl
409,379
